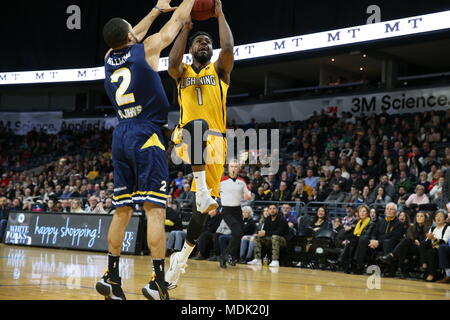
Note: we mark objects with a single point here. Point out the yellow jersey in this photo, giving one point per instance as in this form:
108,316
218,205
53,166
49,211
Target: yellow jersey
203,95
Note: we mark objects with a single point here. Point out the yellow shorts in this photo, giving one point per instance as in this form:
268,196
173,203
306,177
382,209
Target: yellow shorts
216,150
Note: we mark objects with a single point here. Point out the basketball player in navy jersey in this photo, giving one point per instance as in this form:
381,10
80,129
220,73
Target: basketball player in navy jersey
139,155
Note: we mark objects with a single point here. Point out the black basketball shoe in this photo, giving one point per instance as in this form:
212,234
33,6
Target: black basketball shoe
111,290
156,290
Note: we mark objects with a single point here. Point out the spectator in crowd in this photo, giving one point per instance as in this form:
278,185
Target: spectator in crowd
437,235
248,241
95,206
353,196
417,198
283,194
179,180
336,196
444,261
221,239
4,214
51,206
386,235
187,196
274,234
205,241
386,185
299,193
75,206
64,206
108,206
310,179
364,227
337,224
373,215
338,179
321,221
289,215
413,244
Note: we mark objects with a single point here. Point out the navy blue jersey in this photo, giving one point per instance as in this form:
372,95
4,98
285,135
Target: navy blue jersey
134,88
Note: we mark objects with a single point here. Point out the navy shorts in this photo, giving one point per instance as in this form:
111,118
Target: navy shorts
141,172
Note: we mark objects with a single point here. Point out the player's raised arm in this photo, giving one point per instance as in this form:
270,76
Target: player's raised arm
177,53
224,65
141,29
161,40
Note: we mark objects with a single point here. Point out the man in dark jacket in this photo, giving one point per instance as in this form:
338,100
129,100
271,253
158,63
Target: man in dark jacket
385,236
283,194
4,213
274,234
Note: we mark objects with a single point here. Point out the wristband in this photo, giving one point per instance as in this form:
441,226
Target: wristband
160,10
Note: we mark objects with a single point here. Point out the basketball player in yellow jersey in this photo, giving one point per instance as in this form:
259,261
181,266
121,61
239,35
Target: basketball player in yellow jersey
202,92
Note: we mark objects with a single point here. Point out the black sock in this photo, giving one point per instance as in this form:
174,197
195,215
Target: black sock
158,269
195,227
113,266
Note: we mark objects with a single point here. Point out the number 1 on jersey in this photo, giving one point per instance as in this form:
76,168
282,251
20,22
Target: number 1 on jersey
200,96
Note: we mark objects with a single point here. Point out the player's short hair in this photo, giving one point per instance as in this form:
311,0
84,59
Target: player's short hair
198,34
116,32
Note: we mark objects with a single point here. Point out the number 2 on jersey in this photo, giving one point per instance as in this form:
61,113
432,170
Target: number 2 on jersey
200,96
122,98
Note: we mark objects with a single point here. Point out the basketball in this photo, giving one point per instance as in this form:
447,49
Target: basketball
203,10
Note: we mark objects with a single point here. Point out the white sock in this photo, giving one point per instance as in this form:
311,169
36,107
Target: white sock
186,252
447,271
200,181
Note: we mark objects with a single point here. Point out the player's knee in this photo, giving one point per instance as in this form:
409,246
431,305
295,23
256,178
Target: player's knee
124,212
154,211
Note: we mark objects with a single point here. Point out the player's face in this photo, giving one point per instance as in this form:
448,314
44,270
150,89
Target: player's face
202,49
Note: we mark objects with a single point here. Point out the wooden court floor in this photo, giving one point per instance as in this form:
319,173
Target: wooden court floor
49,274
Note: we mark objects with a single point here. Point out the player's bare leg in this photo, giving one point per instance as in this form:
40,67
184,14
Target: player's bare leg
156,238
110,286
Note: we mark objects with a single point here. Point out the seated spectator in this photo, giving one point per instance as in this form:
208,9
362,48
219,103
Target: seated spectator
221,239
95,206
4,214
386,235
423,180
274,234
388,188
436,188
64,206
348,224
51,206
413,244
321,221
310,179
175,241
187,196
108,206
289,215
373,215
283,194
337,224
299,193
179,180
173,216
75,206
16,205
205,241
353,196
336,196
417,198
364,227
437,235
381,200
444,261
248,241
404,182
262,196
66,194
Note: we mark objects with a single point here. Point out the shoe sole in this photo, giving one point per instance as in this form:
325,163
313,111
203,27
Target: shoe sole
212,207
152,295
105,290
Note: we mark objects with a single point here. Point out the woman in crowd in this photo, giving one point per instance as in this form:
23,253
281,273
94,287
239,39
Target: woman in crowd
320,221
248,240
364,227
413,244
299,193
75,206
437,235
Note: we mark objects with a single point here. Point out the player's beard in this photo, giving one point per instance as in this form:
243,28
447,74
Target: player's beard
203,58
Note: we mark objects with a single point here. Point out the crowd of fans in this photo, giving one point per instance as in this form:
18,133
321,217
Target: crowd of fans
372,160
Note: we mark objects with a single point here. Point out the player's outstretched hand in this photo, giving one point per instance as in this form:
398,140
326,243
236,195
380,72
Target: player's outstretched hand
218,9
164,5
